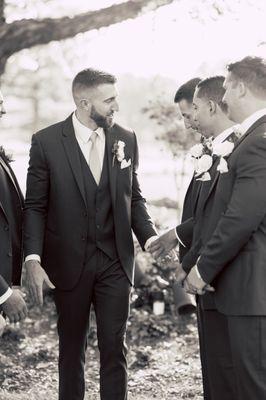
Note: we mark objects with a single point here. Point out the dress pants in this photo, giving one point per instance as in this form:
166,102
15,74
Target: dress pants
218,372
104,284
248,343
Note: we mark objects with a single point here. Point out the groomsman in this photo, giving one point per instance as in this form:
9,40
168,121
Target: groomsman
12,303
232,258
210,117
182,234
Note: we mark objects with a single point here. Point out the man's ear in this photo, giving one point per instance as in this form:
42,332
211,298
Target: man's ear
85,104
242,89
212,107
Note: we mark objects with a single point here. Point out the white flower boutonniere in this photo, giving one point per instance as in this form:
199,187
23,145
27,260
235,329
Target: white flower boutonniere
223,150
202,155
118,151
119,154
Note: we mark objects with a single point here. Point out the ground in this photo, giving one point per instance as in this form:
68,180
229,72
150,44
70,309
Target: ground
163,357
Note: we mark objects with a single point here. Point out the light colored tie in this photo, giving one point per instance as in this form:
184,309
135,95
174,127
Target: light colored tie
94,161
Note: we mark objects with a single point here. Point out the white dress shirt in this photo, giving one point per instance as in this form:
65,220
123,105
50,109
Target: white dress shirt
249,121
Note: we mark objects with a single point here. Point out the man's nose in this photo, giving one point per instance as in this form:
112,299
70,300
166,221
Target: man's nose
115,106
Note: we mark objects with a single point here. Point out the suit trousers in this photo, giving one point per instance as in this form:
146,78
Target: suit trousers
104,284
248,343
218,372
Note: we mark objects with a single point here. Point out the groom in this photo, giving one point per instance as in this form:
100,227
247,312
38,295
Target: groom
83,198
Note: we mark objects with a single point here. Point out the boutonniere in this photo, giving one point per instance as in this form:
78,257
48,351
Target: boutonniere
119,154
6,157
223,150
203,160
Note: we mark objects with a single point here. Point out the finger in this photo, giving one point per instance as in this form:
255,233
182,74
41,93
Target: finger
209,288
48,282
37,294
155,245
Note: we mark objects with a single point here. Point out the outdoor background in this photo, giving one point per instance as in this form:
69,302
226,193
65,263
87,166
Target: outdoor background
152,46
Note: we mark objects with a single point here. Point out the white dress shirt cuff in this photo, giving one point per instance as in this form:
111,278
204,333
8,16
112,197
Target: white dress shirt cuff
179,240
149,242
6,295
32,257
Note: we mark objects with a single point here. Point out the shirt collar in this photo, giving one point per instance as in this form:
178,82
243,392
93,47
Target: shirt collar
223,136
248,122
83,132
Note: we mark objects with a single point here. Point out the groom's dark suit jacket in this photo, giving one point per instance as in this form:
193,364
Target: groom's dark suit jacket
11,211
233,257
57,218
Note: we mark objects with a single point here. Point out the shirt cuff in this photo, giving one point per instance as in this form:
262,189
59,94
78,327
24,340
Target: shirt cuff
149,242
6,295
32,257
179,240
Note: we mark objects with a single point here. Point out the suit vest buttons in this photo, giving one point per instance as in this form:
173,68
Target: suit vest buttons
98,226
9,254
6,228
83,238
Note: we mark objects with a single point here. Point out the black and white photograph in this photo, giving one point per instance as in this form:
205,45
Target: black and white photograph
132,200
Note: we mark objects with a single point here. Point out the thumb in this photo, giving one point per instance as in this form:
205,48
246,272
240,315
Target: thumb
48,282
209,288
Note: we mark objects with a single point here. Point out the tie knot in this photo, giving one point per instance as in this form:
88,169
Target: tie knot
93,137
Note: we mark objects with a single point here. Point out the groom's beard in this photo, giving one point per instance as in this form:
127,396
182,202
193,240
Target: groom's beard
100,120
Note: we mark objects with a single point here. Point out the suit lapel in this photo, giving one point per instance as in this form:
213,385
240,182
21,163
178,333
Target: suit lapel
13,180
71,148
111,137
254,126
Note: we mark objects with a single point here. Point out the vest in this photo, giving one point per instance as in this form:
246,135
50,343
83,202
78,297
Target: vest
101,231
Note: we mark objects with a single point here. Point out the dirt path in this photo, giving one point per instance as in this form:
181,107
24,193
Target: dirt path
163,359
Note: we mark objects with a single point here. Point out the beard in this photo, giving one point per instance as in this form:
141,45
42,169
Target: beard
100,120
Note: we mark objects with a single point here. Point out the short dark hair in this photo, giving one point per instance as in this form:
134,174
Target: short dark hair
212,89
89,78
251,71
186,91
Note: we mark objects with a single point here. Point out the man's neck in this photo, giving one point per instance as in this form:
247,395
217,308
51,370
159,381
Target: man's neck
85,120
253,107
221,125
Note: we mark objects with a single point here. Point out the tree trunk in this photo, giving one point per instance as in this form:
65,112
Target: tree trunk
26,33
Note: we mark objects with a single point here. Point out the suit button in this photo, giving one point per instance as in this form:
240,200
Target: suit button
85,214
9,254
98,226
83,238
6,228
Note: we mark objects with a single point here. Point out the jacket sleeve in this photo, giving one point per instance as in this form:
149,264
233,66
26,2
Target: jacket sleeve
184,232
141,222
244,213
36,201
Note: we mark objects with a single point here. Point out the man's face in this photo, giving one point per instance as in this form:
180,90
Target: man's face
103,105
186,109
202,117
231,98
2,108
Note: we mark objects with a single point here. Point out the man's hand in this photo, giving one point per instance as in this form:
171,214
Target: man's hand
180,274
35,277
164,244
15,307
194,284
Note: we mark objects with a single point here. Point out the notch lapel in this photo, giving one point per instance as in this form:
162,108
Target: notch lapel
13,180
111,137
71,148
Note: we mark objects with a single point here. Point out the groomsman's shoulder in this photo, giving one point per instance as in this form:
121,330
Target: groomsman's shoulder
124,131
51,132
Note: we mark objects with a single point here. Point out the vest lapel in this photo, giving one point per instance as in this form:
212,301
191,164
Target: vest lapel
71,147
111,137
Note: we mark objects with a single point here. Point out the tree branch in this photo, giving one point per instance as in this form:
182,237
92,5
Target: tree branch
26,33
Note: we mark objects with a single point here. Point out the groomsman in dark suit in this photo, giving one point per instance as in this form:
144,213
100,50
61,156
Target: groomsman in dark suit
12,303
233,253
83,200
210,116
182,234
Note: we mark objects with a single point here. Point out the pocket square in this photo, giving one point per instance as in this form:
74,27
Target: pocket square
125,163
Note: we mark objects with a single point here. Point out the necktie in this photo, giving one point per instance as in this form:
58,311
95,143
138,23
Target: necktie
94,162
